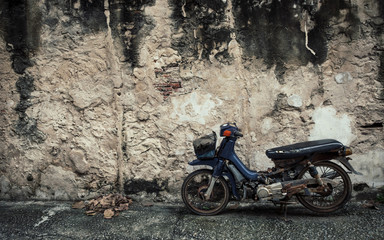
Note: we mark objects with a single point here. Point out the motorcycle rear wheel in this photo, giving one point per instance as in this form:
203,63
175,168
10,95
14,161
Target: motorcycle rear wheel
193,190
339,195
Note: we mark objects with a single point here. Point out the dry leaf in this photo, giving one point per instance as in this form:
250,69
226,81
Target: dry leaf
108,213
122,207
78,205
90,213
371,204
110,205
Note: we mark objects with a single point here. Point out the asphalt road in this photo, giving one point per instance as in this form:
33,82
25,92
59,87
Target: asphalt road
57,220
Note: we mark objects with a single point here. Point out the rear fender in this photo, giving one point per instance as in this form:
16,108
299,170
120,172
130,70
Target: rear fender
345,162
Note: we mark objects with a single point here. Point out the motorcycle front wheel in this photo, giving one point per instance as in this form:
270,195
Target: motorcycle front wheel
336,196
194,187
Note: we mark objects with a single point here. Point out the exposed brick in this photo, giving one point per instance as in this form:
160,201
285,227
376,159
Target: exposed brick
167,88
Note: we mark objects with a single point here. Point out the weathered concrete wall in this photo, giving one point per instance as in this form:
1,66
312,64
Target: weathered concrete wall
100,96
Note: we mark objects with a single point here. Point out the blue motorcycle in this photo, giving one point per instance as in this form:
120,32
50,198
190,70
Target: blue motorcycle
303,170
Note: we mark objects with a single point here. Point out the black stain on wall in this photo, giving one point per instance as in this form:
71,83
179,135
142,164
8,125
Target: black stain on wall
129,26
380,77
321,34
379,31
89,15
20,24
138,185
128,22
201,28
22,20
27,126
271,32
20,40
268,31
92,15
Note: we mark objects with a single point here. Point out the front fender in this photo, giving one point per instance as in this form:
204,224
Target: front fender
213,163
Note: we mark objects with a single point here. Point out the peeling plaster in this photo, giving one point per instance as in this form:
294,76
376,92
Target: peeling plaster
329,125
194,107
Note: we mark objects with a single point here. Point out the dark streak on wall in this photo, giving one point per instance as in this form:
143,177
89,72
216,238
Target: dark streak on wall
201,28
320,35
129,26
138,185
21,23
89,14
271,31
27,126
13,25
92,15
381,75
380,33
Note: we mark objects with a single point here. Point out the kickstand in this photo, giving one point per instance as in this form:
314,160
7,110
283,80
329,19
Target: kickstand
284,208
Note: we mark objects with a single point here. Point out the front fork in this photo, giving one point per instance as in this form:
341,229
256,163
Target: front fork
207,194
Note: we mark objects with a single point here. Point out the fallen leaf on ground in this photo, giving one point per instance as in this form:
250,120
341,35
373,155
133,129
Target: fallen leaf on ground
122,207
108,213
78,205
90,213
110,205
371,204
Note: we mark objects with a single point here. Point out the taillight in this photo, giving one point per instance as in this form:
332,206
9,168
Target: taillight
347,151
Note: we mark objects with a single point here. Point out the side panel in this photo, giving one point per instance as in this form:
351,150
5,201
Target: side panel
228,152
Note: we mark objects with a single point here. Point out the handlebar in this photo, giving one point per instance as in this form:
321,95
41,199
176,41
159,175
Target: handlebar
238,134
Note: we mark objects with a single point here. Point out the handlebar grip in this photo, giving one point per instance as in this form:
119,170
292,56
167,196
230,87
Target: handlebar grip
238,134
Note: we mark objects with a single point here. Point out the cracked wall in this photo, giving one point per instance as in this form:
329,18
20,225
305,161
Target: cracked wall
108,95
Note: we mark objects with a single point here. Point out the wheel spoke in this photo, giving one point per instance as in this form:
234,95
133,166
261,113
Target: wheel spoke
339,192
194,189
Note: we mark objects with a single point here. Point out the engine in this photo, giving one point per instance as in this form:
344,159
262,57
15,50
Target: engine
268,192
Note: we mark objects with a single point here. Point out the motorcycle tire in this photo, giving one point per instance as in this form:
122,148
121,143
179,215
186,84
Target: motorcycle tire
339,195
194,187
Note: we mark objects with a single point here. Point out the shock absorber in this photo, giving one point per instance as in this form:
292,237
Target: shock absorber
315,174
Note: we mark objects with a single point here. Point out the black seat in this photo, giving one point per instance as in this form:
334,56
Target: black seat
304,149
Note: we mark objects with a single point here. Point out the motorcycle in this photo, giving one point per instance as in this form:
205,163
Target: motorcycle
303,170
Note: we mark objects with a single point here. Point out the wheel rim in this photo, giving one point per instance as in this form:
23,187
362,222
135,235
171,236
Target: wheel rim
196,186
336,195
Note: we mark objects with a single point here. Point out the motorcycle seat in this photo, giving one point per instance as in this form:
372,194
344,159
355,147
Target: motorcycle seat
304,149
